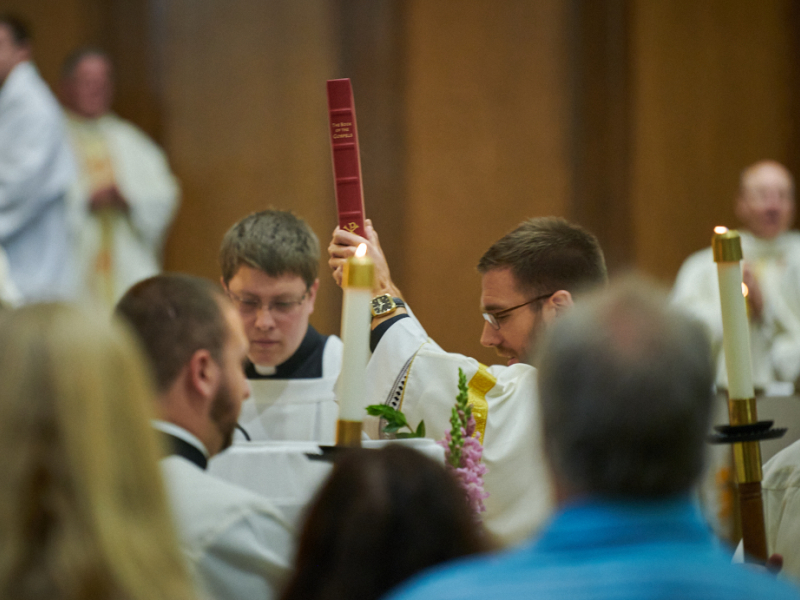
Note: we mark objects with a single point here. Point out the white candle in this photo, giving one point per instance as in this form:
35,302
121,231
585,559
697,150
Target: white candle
357,281
736,331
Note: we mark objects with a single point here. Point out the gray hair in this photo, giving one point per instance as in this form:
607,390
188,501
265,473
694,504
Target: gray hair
625,385
274,241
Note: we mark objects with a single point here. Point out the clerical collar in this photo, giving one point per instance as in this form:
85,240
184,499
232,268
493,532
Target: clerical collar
182,443
305,363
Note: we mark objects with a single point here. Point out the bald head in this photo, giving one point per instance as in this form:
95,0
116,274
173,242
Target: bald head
765,204
87,85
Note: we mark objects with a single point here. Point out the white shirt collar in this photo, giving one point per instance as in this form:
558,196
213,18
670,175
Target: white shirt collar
180,432
264,369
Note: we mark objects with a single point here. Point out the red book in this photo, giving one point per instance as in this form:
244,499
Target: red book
346,156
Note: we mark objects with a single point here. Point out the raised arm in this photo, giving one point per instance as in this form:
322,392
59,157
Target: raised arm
343,245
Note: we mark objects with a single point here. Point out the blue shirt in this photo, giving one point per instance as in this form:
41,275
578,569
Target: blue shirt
602,550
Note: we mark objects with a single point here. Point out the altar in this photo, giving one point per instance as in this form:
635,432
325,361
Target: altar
283,472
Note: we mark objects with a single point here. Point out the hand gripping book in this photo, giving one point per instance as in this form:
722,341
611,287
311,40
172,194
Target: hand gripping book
346,156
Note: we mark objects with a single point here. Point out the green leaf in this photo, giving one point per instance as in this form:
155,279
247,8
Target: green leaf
392,428
380,410
421,429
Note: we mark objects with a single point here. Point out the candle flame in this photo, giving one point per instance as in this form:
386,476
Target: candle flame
745,291
720,229
361,251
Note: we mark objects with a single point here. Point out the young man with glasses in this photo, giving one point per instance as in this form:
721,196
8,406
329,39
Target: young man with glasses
529,277
269,266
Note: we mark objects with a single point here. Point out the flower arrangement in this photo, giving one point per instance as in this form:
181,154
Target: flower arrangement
463,449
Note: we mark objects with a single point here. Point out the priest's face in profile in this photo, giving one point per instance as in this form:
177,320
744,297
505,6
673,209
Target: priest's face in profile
275,312
233,387
519,317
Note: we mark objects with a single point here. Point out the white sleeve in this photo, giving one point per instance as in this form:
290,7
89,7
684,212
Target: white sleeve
248,559
35,165
696,291
145,181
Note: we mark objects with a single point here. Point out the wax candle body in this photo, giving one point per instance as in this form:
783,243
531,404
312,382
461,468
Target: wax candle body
356,321
736,338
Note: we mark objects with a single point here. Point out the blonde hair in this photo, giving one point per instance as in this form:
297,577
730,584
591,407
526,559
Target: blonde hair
82,507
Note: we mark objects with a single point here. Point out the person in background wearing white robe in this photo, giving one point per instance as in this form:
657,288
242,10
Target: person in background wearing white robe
529,277
125,197
765,206
36,170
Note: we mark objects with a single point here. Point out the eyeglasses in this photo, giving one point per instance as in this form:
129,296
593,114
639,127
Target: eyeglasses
491,318
277,308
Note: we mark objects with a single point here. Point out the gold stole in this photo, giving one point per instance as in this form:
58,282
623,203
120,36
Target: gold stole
92,150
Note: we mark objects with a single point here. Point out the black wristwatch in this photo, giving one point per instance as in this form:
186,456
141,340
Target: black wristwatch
385,305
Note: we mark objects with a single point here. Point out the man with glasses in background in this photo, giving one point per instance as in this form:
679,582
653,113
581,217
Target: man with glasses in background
269,266
530,276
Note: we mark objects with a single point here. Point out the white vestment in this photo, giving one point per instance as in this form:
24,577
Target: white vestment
237,544
411,372
9,293
116,250
295,409
781,492
36,170
775,339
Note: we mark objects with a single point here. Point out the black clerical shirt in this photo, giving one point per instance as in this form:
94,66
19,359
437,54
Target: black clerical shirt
305,363
175,446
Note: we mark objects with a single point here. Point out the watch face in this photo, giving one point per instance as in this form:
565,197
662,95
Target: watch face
382,305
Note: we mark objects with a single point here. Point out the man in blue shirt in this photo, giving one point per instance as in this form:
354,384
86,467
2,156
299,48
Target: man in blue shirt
625,395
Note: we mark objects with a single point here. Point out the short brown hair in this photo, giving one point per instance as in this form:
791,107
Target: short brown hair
274,241
20,30
174,316
376,503
548,254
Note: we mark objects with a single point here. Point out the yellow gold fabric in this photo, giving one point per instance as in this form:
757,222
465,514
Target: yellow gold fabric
480,385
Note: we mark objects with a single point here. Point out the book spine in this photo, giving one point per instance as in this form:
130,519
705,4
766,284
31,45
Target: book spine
346,156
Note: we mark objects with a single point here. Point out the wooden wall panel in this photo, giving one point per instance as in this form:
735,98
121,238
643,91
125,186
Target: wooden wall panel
632,116
58,28
711,95
487,146
245,123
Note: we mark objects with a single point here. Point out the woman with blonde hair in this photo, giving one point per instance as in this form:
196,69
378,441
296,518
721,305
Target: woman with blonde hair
82,509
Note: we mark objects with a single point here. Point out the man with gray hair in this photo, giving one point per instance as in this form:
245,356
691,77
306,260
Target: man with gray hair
269,264
625,396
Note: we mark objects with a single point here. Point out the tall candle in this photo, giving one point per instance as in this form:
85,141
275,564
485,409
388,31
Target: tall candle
357,281
727,247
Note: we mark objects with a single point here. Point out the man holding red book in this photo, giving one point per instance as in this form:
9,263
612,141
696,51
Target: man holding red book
529,278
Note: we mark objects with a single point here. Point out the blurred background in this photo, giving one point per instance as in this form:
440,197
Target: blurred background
633,118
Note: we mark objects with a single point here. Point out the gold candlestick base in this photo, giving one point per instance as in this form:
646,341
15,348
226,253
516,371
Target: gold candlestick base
348,433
